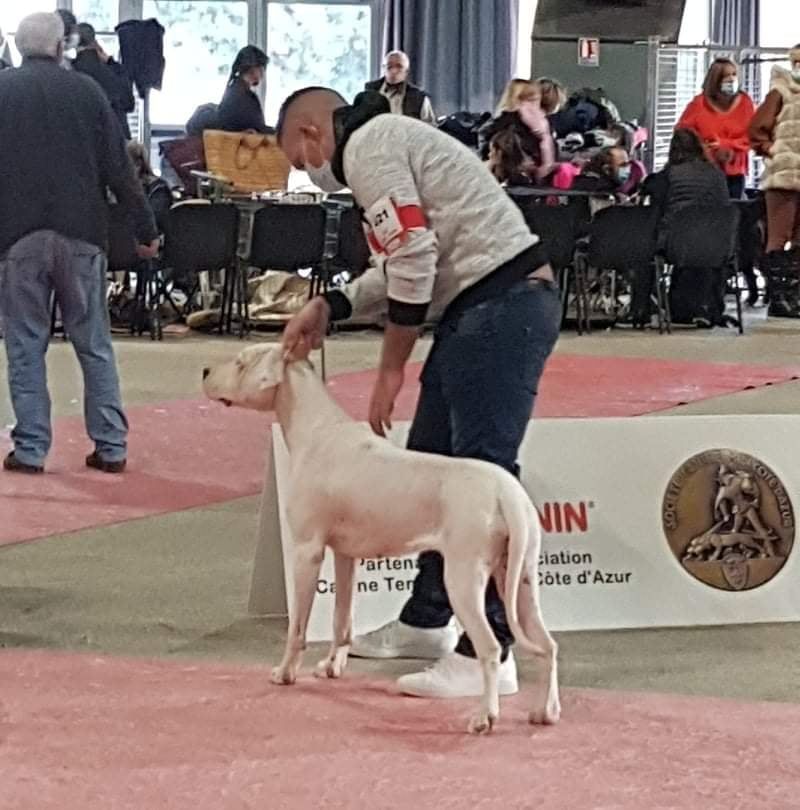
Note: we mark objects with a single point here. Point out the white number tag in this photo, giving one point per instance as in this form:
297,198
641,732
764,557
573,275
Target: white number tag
385,223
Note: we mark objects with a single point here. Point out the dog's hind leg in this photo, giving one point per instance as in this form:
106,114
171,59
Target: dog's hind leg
546,706
466,582
334,665
307,561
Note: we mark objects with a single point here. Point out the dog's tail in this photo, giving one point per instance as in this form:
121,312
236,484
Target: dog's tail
524,542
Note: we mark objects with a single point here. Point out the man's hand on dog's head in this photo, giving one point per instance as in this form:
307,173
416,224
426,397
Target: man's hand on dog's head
306,330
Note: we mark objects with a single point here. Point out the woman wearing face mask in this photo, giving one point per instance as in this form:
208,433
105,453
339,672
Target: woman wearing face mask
775,134
721,117
240,109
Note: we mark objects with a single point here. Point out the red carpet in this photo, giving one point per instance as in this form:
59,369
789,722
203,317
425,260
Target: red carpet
579,386
187,454
96,733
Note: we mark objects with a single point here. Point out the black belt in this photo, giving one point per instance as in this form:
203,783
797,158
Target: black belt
497,282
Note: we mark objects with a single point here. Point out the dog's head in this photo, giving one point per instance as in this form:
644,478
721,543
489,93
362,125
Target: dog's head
250,380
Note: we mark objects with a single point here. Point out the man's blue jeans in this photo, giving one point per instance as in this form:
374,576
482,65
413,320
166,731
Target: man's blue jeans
478,388
38,265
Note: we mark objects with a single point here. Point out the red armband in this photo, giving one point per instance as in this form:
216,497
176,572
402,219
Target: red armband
390,224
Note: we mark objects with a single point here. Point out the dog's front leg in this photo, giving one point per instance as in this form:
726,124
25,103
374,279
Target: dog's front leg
334,665
307,561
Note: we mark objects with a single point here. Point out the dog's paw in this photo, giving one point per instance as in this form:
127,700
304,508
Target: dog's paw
329,668
548,716
481,723
282,676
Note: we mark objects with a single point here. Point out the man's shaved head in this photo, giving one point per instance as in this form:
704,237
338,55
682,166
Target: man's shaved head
305,125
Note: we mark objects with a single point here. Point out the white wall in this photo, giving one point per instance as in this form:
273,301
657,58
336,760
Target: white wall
527,12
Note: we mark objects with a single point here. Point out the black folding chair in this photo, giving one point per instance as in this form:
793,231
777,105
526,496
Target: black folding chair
702,236
290,238
352,251
557,227
623,239
123,259
204,237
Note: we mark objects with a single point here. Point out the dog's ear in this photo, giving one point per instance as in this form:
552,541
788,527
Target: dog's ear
272,367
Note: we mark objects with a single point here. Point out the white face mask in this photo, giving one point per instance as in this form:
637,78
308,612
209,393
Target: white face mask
796,73
323,177
730,87
72,42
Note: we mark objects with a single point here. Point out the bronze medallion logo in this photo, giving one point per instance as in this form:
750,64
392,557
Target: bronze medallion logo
728,520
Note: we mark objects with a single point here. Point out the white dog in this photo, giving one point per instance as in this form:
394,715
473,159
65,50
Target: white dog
364,497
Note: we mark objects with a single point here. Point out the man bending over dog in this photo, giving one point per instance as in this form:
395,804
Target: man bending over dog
451,245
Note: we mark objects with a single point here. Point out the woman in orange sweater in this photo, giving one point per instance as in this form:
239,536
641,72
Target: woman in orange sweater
721,116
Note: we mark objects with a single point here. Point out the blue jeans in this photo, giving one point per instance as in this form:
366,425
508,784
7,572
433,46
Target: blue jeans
478,388
38,265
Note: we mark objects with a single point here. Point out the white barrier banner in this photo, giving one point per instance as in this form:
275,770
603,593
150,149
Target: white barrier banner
648,522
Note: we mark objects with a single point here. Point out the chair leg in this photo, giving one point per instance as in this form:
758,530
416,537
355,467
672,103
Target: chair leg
584,306
738,291
658,272
244,304
565,279
223,309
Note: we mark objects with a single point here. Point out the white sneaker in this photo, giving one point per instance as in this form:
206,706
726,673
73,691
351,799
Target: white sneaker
456,676
398,640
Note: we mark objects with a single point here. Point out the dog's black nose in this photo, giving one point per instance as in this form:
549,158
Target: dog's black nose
206,372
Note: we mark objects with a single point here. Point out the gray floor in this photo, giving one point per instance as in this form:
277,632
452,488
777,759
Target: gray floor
177,585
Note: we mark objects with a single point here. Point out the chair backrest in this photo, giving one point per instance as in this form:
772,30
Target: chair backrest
702,236
623,237
353,250
184,155
201,236
288,237
121,240
555,225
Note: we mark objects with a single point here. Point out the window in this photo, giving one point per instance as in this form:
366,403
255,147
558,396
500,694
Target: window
780,23
696,23
11,12
527,15
200,43
316,43
103,15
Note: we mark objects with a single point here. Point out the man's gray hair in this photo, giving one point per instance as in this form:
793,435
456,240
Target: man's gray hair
401,54
40,35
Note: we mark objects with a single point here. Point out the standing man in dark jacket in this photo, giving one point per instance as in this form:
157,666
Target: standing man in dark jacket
62,152
93,61
404,97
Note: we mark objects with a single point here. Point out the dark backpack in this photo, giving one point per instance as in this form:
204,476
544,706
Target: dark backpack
203,118
464,126
585,109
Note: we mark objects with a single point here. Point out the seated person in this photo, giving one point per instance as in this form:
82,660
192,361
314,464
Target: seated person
690,179
606,173
507,160
156,190
603,178
519,110
240,109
